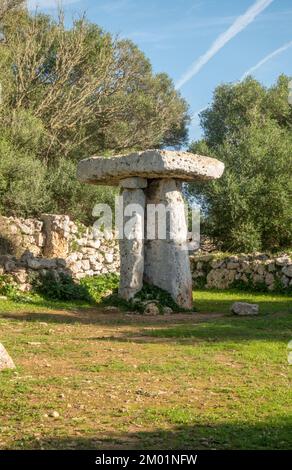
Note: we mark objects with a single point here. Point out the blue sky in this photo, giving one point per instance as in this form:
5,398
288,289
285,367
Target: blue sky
199,43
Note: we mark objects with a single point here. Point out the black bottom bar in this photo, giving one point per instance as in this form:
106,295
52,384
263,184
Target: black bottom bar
129,459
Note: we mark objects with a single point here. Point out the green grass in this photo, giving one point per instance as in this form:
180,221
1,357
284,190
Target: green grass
207,380
220,300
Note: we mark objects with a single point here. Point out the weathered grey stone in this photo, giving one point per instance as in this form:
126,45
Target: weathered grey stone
269,279
287,270
41,263
85,265
5,360
216,263
56,229
283,260
108,257
132,244
167,260
151,309
167,311
95,244
134,183
285,281
149,164
244,308
20,275
232,265
220,278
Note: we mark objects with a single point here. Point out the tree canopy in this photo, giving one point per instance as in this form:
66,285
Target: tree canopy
72,93
248,127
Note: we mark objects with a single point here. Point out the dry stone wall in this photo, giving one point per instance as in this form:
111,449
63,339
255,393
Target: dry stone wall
56,244
256,270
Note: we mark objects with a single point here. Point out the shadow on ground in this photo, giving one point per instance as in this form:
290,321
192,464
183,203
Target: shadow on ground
275,434
178,328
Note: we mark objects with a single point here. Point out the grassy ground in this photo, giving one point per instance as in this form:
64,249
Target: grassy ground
205,380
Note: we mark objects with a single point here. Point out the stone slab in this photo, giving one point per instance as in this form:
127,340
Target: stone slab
150,164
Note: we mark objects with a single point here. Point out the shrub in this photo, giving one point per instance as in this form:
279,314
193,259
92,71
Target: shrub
99,287
59,287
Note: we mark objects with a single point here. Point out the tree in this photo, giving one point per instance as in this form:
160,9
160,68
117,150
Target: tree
93,93
72,93
249,128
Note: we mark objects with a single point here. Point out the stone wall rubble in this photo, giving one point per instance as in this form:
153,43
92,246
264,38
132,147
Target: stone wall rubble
56,244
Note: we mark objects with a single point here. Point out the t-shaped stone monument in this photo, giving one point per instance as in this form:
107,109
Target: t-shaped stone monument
153,179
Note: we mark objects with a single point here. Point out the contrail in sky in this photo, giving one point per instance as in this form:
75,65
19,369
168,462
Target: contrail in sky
239,25
266,59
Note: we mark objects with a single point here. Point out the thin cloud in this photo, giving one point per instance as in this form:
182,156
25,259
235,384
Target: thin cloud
239,25
266,59
196,115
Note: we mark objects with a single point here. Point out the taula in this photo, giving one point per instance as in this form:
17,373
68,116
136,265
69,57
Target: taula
152,180
5,360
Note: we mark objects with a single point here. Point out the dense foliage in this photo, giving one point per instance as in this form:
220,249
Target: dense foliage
249,128
68,94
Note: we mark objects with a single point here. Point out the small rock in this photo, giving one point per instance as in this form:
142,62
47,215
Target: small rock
244,308
54,414
5,360
151,309
283,260
111,308
167,311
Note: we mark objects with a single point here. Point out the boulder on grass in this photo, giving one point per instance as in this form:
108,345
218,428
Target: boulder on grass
151,309
5,360
244,308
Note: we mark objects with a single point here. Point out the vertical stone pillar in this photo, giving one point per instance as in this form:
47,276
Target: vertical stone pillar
166,262
132,238
56,232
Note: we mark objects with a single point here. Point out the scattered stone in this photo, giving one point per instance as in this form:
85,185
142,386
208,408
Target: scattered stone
54,414
6,361
151,309
244,308
111,308
167,311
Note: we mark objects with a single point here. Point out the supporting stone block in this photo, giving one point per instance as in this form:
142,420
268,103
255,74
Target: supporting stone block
132,243
167,259
134,183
